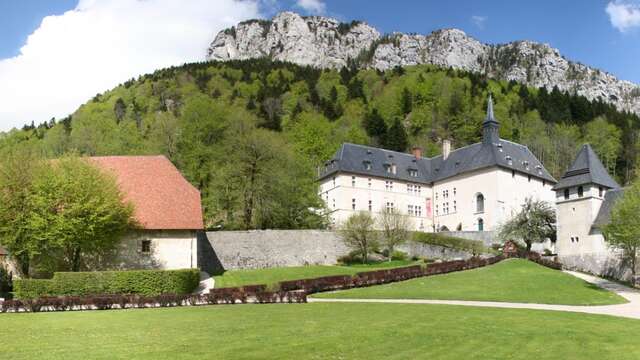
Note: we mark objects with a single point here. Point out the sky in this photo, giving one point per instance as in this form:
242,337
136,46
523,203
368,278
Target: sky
57,54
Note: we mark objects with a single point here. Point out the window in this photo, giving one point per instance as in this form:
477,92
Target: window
389,206
393,168
479,203
454,191
580,191
353,204
572,240
413,172
600,191
334,203
577,239
529,178
566,194
370,205
145,246
369,182
455,207
544,182
513,173
388,185
353,181
480,224
410,188
418,211
410,210
419,189
334,182
367,164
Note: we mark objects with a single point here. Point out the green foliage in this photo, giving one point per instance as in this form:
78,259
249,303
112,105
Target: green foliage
476,247
142,282
6,280
534,223
187,113
358,234
623,231
58,214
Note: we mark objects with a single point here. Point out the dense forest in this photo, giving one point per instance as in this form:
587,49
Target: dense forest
249,134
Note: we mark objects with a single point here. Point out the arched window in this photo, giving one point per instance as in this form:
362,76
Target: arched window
479,203
580,191
480,224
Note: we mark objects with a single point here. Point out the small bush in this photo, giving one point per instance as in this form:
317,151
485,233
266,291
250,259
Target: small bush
399,255
142,282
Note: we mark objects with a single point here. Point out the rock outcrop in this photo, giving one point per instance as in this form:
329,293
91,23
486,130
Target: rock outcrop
327,43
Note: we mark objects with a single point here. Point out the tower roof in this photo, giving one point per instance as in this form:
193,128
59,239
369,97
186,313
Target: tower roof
490,117
586,169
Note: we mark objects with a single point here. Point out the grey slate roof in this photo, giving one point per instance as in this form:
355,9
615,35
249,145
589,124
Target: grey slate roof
491,152
604,214
351,158
586,169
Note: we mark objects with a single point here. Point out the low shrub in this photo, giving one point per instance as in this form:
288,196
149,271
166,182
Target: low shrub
142,282
475,247
399,255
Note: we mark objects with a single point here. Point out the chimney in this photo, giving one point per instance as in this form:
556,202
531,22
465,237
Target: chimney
417,152
446,148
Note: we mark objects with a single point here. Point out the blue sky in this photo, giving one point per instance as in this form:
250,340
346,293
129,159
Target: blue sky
56,54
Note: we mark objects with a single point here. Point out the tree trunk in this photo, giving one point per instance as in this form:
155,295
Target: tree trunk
75,260
528,245
364,254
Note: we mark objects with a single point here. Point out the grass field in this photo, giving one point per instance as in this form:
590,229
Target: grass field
318,331
514,280
273,275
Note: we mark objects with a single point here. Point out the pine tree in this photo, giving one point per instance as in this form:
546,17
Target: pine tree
396,138
374,125
406,101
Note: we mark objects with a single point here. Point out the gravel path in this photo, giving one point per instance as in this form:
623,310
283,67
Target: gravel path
628,310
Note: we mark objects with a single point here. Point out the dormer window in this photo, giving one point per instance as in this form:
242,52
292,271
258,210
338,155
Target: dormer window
393,168
499,147
509,160
367,164
413,172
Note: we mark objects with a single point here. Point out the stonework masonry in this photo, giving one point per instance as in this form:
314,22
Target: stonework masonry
255,249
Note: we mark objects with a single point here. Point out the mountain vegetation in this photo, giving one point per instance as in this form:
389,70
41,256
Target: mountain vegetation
250,133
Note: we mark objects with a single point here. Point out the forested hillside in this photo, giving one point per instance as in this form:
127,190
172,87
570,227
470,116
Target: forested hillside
249,134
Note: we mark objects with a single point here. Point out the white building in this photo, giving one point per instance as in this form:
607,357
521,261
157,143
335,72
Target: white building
473,188
585,196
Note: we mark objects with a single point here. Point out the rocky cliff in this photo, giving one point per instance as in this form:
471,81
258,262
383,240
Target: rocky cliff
328,43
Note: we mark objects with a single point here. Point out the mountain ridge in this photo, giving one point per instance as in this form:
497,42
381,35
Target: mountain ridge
328,43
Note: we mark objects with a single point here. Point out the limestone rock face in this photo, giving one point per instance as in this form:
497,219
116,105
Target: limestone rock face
327,43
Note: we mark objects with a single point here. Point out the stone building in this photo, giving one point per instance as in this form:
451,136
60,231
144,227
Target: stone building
585,196
473,188
167,209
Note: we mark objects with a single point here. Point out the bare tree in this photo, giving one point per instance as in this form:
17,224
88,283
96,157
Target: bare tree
358,233
395,229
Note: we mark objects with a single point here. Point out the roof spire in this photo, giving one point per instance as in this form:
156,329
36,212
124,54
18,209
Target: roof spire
490,117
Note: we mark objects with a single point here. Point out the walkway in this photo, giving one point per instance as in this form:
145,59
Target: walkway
628,310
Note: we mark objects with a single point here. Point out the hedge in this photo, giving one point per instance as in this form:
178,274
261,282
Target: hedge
476,247
140,282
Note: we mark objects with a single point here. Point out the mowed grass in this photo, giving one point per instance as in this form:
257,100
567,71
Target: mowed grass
514,280
273,275
318,331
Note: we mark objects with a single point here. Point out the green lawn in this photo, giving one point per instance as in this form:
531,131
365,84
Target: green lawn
274,275
514,280
318,331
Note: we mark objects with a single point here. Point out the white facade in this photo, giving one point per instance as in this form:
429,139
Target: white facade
156,249
451,204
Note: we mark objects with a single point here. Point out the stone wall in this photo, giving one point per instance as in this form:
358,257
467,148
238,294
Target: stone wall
606,265
487,237
434,251
255,249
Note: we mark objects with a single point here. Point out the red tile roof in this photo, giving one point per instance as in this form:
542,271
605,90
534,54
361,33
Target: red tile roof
162,197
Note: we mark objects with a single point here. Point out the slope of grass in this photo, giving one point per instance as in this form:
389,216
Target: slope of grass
273,275
514,280
318,331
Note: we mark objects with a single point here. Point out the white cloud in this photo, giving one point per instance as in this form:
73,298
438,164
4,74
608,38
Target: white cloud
479,21
624,15
102,43
312,6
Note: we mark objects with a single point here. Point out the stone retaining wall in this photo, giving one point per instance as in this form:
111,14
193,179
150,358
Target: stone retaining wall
487,237
256,249
605,265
